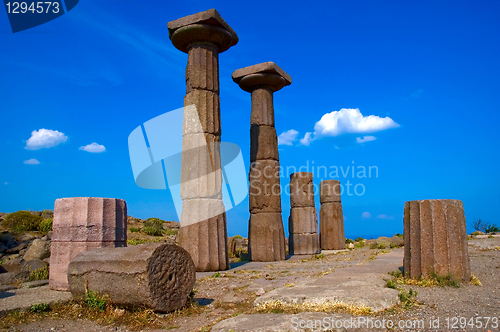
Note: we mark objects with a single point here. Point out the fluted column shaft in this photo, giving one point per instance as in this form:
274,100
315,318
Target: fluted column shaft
331,217
435,238
303,221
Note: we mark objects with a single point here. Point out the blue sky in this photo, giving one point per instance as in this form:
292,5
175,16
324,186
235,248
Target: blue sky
426,71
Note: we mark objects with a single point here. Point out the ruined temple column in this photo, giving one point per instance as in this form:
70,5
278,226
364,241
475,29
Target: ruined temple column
203,231
303,221
331,218
435,238
266,235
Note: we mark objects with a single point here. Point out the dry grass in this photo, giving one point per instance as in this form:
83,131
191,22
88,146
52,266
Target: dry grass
337,306
475,281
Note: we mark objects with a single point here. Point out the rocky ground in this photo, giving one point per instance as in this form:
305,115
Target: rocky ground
252,296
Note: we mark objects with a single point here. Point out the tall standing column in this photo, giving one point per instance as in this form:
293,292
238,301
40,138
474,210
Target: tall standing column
303,221
436,239
203,231
266,235
331,218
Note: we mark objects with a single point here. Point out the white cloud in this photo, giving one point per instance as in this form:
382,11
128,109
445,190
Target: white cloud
307,139
6,183
93,148
288,137
348,121
366,215
384,216
45,138
365,139
32,162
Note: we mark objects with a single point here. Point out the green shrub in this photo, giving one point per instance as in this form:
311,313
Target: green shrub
45,225
359,244
170,231
48,212
95,301
39,307
347,241
408,298
134,242
237,237
153,226
399,235
359,239
492,228
22,221
135,230
40,274
373,245
382,245
391,284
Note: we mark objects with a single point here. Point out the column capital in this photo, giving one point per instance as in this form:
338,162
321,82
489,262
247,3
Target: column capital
263,75
200,28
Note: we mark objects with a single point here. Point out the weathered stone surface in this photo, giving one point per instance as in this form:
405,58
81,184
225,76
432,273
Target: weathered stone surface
63,252
203,36
206,242
436,239
200,209
221,33
90,219
206,117
331,226
33,265
266,237
262,107
329,191
235,245
301,190
201,175
266,74
304,244
303,220
264,143
264,186
39,249
159,276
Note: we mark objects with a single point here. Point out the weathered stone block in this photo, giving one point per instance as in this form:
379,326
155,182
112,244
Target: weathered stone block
262,107
301,190
303,220
204,117
436,239
331,226
158,276
266,74
61,255
90,219
264,143
266,237
264,186
199,209
329,191
206,242
304,244
201,174
202,71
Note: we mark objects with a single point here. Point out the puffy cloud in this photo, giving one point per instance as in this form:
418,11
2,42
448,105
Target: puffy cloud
93,148
288,137
365,139
45,138
32,162
348,121
307,139
384,216
366,215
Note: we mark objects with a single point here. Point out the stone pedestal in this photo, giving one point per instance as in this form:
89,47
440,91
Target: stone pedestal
331,218
81,224
203,232
435,238
266,234
303,222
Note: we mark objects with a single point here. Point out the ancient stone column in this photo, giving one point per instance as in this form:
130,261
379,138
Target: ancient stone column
331,218
435,239
203,231
303,221
266,234
80,224
156,275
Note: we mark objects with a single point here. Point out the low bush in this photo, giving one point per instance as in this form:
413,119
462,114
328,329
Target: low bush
45,225
347,241
22,221
40,274
153,226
